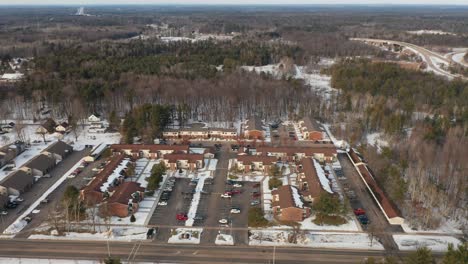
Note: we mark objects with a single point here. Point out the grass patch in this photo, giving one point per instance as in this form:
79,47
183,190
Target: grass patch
274,182
335,220
256,218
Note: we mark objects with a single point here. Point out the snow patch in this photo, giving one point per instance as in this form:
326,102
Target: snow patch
323,179
435,243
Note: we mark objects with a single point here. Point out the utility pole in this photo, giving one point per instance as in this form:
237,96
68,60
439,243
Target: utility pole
274,254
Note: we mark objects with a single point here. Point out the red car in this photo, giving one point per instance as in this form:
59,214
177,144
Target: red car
255,195
359,211
182,217
235,192
228,193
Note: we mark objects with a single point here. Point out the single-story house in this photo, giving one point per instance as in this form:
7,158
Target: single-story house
59,150
17,183
62,128
40,165
11,151
94,118
49,126
287,204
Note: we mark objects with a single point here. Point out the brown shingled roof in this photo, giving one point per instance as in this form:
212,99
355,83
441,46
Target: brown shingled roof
311,177
390,210
254,123
286,199
123,193
183,156
102,176
249,159
151,147
326,149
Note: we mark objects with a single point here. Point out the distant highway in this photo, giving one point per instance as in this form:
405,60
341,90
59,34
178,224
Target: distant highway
426,55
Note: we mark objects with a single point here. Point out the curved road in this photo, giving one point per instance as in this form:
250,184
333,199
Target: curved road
425,53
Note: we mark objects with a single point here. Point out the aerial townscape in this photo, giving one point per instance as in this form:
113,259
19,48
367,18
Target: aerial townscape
217,132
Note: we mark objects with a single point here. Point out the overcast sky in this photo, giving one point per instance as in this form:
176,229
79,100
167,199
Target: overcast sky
288,2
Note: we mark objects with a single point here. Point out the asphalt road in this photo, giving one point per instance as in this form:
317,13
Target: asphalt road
151,252
427,54
364,199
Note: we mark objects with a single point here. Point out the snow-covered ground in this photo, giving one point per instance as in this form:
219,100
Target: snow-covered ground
185,236
376,139
351,225
314,239
338,143
459,58
115,233
317,81
448,227
46,261
430,32
435,243
224,239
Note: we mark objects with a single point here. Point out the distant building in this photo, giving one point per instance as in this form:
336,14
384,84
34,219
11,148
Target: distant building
247,163
148,151
253,129
310,130
94,118
184,161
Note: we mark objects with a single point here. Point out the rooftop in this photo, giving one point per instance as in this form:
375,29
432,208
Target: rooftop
288,197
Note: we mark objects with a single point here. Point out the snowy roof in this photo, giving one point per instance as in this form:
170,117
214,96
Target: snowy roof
288,196
12,76
323,179
115,175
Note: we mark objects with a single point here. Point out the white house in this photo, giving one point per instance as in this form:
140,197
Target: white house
94,118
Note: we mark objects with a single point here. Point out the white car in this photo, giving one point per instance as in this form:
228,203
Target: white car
223,221
237,185
225,195
235,211
162,203
71,176
19,199
4,212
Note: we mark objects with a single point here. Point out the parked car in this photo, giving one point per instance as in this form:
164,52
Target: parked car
162,203
45,200
256,195
237,185
28,219
223,221
235,211
256,185
165,196
198,218
225,195
363,219
3,212
359,211
11,205
19,199
182,217
255,202
236,192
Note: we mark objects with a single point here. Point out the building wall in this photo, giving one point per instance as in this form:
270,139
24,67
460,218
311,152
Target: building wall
254,134
292,214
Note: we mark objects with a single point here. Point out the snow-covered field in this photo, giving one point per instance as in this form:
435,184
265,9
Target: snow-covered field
115,233
224,239
314,240
185,236
376,139
435,243
448,227
45,261
430,32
